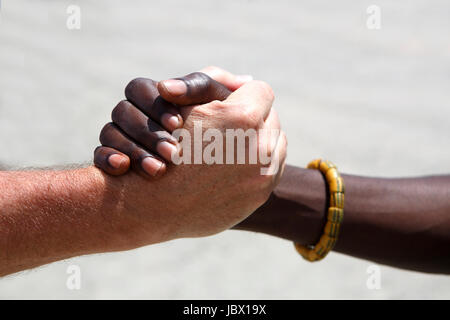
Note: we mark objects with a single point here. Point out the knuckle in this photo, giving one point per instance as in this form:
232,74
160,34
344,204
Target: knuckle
134,85
239,115
137,154
106,131
209,110
217,105
248,117
119,110
142,134
266,90
98,153
200,75
97,150
203,113
198,82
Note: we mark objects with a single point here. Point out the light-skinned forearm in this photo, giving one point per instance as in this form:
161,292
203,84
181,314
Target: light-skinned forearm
48,215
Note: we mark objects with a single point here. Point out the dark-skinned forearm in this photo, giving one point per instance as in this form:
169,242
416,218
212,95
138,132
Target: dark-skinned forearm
399,222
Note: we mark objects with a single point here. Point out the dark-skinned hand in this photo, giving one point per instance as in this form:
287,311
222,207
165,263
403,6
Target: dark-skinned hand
139,135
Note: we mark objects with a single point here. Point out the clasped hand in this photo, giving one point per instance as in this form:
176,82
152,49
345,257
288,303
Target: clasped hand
163,201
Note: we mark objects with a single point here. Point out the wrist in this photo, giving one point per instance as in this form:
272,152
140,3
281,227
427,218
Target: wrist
115,222
295,210
93,209
135,211
108,211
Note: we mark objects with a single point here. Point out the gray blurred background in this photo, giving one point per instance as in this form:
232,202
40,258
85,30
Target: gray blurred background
376,102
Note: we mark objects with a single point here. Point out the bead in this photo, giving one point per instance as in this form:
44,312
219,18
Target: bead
313,256
325,166
331,175
301,249
332,229
327,242
336,185
335,215
314,164
337,200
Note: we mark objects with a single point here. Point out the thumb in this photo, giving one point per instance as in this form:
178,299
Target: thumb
195,88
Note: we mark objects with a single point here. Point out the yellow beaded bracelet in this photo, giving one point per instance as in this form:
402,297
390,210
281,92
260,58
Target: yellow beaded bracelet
335,213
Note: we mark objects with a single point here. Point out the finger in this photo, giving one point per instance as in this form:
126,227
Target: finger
255,96
281,154
143,94
111,161
144,130
276,160
141,160
195,88
270,134
272,121
229,80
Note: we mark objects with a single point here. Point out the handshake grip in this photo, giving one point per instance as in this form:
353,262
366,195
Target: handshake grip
139,135
200,89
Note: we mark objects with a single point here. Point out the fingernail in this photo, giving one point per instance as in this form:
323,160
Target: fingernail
166,149
244,78
170,121
116,160
151,165
175,87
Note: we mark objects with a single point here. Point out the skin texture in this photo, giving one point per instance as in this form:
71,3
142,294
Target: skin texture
50,215
403,223
146,107
202,186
